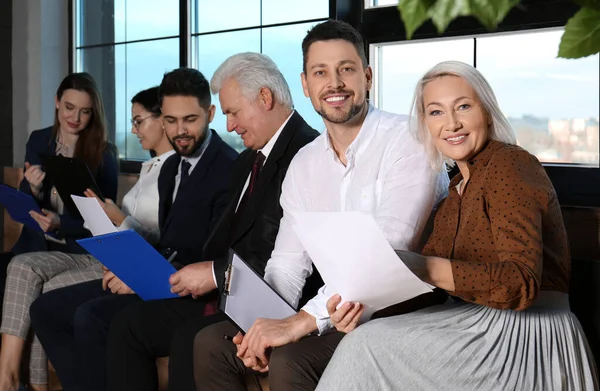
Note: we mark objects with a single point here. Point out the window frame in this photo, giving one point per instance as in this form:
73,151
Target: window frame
337,9
575,186
127,166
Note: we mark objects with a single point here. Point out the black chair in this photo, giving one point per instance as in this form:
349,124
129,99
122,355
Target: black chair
584,298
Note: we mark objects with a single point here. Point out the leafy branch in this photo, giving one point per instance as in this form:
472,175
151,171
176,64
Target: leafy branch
580,39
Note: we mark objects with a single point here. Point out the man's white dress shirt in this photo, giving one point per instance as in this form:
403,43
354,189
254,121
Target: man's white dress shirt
387,175
266,150
193,160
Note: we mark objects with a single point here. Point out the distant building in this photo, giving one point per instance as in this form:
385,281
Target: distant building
572,140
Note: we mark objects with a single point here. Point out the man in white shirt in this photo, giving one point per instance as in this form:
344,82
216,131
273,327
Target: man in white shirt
257,102
366,161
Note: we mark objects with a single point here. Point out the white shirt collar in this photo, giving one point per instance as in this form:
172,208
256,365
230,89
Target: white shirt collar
365,134
160,158
193,160
266,150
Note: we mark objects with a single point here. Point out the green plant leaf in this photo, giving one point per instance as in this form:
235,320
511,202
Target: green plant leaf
442,12
582,35
491,12
445,11
595,4
414,14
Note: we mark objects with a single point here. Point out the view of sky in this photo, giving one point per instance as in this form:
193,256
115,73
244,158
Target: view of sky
141,65
522,68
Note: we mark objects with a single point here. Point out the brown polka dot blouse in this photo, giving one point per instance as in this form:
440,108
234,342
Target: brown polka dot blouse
505,235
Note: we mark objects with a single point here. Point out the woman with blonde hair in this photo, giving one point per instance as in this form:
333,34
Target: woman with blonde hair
498,247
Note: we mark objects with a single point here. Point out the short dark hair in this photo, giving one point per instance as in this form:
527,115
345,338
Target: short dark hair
185,82
149,100
330,30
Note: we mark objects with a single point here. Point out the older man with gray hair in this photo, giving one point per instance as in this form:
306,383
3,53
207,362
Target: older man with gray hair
258,105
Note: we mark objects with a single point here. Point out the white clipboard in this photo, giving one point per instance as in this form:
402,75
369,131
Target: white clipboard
247,296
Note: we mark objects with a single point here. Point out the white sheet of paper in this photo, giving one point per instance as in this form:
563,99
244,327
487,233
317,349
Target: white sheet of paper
250,297
95,218
355,260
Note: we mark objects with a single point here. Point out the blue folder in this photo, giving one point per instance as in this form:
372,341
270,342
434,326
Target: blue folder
18,205
134,261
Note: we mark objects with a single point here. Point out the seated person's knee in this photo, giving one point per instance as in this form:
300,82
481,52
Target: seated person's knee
283,360
208,341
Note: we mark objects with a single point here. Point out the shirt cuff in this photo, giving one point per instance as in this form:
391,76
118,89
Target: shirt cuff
129,223
323,323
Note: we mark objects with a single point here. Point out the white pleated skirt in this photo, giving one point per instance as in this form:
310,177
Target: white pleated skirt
463,346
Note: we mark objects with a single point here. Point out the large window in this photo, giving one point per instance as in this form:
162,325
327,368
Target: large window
127,45
553,104
273,27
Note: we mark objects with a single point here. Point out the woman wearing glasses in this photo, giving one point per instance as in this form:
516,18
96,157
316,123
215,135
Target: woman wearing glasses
140,205
35,271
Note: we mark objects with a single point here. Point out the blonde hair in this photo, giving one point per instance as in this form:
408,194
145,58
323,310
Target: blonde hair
499,129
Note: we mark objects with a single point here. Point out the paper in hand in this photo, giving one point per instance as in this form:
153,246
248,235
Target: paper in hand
355,260
94,216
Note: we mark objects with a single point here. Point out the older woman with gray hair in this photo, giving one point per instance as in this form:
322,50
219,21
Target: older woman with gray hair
498,247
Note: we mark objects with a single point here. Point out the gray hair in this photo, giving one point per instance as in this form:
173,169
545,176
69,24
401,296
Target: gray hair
253,71
500,129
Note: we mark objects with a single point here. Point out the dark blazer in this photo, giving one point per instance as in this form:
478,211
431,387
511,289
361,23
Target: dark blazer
254,237
41,143
186,223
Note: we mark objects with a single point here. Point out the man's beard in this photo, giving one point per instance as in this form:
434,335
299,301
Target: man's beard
340,117
192,148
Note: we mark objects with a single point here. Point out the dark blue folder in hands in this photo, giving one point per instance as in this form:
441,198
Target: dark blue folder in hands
134,261
18,205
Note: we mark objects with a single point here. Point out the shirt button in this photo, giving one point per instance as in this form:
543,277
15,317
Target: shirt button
54,192
363,196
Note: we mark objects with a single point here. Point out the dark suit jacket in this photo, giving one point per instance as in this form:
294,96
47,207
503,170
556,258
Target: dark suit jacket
186,223
41,143
254,237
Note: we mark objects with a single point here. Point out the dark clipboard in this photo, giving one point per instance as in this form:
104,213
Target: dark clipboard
134,261
261,285
70,177
18,205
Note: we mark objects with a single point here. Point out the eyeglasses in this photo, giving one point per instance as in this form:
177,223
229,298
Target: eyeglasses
137,122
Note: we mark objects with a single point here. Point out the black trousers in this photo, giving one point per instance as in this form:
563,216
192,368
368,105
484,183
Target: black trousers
72,324
296,366
153,329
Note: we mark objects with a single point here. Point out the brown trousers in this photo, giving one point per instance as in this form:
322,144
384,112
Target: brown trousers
297,366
